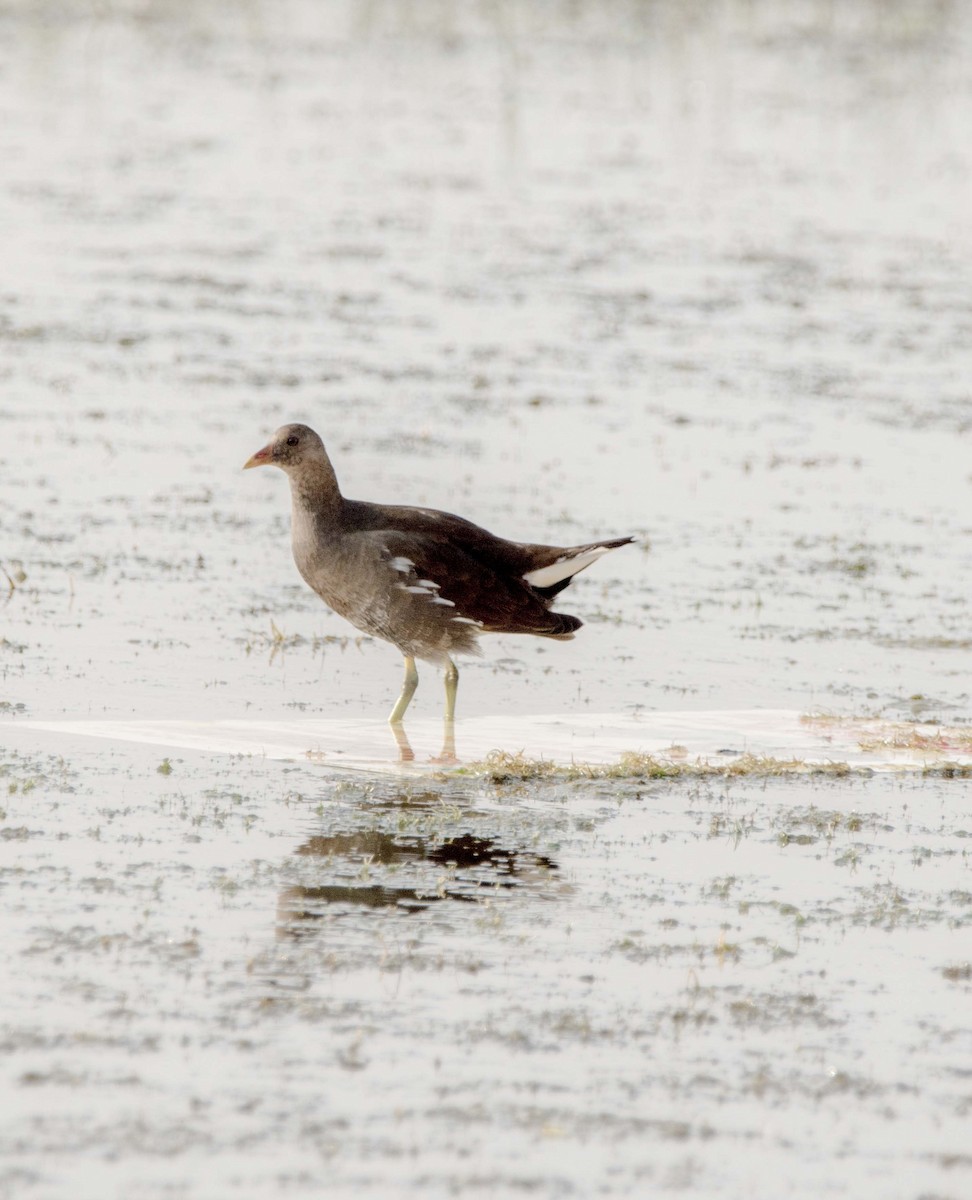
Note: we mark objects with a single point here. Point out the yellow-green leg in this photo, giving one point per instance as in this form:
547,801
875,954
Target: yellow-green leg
409,684
452,686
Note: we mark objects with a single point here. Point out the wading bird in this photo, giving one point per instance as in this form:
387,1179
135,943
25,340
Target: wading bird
426,581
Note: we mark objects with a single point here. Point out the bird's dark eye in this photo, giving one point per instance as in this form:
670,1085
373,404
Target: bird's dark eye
293,440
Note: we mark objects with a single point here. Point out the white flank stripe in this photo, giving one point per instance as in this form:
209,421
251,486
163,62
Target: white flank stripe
563,568
401,564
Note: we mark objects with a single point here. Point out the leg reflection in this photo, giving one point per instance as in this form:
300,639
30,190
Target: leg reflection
405,751
448,755
406,754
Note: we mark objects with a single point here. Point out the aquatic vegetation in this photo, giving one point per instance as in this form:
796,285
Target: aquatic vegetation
873,734
501,766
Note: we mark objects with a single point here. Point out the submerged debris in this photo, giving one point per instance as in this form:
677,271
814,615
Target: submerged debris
874,734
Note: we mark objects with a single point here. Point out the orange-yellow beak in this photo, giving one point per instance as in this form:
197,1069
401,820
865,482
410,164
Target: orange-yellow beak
260,459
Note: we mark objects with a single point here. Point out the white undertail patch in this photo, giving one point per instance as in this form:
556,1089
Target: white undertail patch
565,566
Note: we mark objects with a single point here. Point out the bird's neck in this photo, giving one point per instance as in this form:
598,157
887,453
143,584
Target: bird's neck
314,490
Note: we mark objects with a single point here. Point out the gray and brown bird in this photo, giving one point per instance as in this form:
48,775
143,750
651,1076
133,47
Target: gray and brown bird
427,581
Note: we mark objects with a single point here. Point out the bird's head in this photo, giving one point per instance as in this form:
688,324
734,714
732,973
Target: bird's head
290,447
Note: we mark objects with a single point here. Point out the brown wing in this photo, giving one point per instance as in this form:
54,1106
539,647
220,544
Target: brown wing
510,559
501,603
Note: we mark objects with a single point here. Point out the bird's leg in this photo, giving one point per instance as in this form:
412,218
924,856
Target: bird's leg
409,684
452,685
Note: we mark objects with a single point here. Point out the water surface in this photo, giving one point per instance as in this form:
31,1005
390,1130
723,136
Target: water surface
697,272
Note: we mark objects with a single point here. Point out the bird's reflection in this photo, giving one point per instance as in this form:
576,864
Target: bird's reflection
447,756
475,867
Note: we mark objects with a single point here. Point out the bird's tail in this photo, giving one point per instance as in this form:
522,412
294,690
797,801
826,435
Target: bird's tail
553,576
564,626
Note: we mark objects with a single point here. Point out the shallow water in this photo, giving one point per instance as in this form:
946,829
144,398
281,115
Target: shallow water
225,977
705,282
697,272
